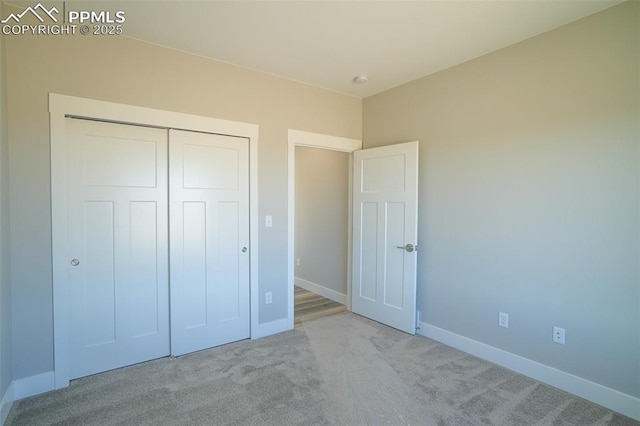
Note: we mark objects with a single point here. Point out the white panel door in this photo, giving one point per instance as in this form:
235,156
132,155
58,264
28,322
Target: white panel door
117,238
209,248
385,227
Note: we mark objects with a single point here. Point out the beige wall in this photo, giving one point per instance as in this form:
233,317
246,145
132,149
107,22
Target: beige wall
321,222
5,285
529,195
127,71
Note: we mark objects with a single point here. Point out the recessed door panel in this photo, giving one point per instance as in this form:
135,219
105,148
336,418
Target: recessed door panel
210,167
229,280
393,284
145,287
119,161
368,265
383,174
96,297
193,285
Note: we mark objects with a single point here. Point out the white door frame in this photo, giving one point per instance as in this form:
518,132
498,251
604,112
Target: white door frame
61,107
313,140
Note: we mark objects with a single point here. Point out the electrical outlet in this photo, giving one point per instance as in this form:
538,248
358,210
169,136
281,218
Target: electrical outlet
558,335
503,320
298,262
268,298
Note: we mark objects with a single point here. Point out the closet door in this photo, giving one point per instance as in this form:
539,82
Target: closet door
209,240
117,245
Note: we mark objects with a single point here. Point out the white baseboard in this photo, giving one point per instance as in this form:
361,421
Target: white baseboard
272,327
33,385
607,397
5,403
336,296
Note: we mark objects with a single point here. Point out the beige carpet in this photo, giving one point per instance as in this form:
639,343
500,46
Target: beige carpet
342,370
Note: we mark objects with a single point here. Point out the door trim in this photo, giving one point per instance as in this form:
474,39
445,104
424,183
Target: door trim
61,107
313,140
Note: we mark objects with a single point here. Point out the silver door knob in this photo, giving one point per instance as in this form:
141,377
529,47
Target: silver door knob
244,249
409,248
75,262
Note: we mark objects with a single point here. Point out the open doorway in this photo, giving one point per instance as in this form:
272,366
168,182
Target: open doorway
319,222
321,233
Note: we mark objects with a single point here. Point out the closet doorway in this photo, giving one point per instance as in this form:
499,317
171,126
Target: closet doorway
151,234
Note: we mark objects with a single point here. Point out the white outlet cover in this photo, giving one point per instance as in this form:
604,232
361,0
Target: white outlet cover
503,320
558,335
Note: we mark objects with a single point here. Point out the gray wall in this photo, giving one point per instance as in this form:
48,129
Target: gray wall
321,222
118,69
5,285
529,195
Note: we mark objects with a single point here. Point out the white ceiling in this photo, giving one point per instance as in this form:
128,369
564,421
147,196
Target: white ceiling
327,43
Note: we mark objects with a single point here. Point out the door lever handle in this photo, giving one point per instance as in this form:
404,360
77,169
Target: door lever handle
409,248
